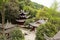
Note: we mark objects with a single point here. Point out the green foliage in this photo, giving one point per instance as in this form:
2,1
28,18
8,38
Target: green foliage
48,28
42,13
30,7
29,21
54,5
53,25
32,12
1,3
55,21
14,6
17,35
10,15
1,37
37,6
30,4
12,10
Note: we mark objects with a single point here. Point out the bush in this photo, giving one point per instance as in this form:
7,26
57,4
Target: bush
28,21
55,21
1,37
17,35
49,29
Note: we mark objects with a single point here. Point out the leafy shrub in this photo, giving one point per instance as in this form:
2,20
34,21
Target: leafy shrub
49,29
29,21
1,37
55,21
17,35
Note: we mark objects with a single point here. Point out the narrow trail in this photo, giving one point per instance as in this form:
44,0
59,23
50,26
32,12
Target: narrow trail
30,35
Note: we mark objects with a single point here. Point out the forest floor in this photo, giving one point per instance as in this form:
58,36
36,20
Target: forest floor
29,35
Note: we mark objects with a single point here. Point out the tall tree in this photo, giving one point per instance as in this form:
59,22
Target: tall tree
2,9
12,9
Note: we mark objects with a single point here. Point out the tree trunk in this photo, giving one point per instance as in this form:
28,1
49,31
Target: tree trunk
3,20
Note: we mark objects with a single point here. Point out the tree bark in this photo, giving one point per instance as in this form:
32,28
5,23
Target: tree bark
3,19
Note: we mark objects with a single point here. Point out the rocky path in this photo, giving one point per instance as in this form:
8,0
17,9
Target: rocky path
57,36
29,35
